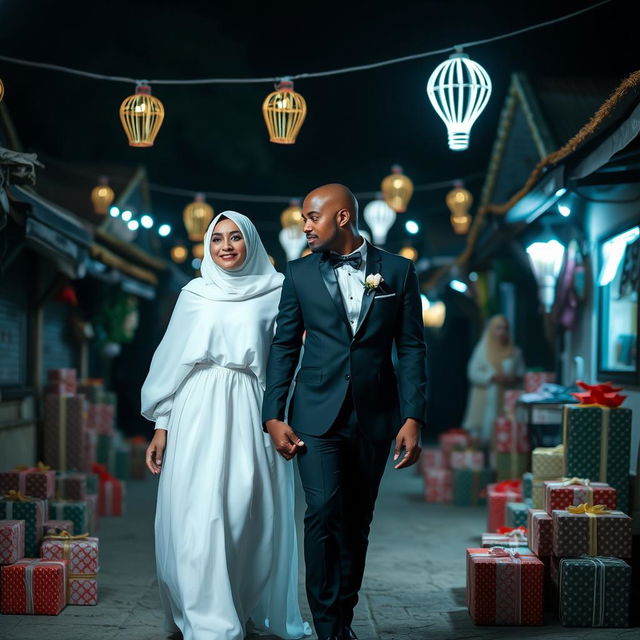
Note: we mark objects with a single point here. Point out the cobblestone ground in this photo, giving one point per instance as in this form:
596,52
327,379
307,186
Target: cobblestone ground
414,585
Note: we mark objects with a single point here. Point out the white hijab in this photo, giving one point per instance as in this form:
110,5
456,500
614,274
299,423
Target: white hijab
224,317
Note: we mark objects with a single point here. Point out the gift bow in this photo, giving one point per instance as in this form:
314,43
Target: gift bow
508,485
503,552
590,510
585,482
603,395
16,496
41,466
65,535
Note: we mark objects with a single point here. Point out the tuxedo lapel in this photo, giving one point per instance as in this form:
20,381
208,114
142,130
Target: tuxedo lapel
373,266
331,282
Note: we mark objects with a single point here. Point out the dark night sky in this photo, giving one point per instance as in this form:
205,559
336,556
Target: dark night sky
214,138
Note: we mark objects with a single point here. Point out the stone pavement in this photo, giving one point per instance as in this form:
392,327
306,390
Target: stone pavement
413,589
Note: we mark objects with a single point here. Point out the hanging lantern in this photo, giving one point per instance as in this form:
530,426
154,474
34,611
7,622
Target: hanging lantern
433,313
397,189
102,196
284,111
380,218
293,241
197,216
292,215
459,201
409,252
198,251
1,90
459,90
179,254
141,115
546,260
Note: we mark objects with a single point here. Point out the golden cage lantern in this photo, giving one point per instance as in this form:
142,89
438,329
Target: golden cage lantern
292,215
197,216
102,196
179,254
459,201
198,251
284,111
397,189
141,115
1,90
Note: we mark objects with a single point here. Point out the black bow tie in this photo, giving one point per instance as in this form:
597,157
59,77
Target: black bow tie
354,259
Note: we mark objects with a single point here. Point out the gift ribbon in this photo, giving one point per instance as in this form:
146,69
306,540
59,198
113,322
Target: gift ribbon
66,538
583,495
592,512
28,578
518,532
599,589
17,496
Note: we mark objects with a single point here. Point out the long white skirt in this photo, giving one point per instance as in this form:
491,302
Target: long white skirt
226,549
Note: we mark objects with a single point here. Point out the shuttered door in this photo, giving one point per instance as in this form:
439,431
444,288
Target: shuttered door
58,348
13,329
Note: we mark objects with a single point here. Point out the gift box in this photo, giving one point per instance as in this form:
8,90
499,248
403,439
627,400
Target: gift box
467,459
33,586
53,527
105,451
469,486
533,380
15,506
38,482
511,397
438,485
93,482
111,497
64,379
511,436
90,449
576,491
498,495
78,511
11,541
122,462
505,587
506,537
547,463
515,514
64,429
452,438
593,592
591,530
527,486
598,446
511,465
93,389
539,532
94,519
432,458
138,469
71,486
81,555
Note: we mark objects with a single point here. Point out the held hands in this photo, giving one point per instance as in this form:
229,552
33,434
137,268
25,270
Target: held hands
284,439
155,451
408,438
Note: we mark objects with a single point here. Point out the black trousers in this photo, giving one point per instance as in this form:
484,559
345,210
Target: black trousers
340,472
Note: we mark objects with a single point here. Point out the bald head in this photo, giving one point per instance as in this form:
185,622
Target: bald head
335,195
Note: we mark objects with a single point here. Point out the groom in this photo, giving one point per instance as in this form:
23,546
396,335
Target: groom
355,302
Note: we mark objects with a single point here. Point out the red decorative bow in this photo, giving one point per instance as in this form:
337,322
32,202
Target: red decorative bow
519,532
604,394
508,485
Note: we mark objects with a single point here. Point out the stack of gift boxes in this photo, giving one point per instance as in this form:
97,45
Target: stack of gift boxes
573,552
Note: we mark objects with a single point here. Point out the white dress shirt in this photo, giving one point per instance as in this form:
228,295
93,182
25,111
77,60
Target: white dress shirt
351,284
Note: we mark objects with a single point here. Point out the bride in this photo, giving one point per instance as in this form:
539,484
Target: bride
225,535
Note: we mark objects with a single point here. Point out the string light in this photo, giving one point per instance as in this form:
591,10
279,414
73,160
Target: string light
134,225
164,230
459,201
179,254
114,212
146,221
409,252
284,111
141,115
397,189
126,215
198,251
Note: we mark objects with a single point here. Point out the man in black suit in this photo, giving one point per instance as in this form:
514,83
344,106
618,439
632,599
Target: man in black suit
355,303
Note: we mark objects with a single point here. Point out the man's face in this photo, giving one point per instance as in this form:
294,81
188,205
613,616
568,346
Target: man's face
320,225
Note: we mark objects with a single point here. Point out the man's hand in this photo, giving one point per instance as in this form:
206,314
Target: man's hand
284,439
408,438
155,451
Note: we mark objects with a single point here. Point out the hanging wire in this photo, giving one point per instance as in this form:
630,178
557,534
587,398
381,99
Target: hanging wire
317,74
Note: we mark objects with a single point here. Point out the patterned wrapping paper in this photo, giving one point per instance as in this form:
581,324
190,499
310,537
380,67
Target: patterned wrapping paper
82,591
71,486
527,486
511,436
38,482
560,495
33,512
78,511
451,439
90,449
469,486
516,514
65,378
432,458
533,380
57,526
467,459
438,485
11,541
593,592
64,429
497,497
540,532
111,497
504,589
547,463
511,465
598,446
33,586
538,491
106,419
517,537
576,534
511,397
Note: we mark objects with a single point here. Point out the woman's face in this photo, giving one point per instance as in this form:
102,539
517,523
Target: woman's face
501,330
228,249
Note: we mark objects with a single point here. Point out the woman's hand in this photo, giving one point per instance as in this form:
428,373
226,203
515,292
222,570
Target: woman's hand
155,451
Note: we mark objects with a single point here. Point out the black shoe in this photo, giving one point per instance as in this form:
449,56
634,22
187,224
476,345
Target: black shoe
348,634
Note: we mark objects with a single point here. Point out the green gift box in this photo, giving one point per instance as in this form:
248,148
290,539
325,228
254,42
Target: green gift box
105,451
469,485
510,466
593,592
597,443
34,512
516,514
78,511
122,463
92,483
527,486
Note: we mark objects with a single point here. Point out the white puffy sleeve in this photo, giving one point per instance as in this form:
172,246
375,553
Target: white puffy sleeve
479,369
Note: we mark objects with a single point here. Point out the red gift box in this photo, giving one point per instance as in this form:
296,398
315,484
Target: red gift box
505,587
539,532
452,438
498,495
66,379
11,541
111,493
438,485
511,436
37,482
533,380
575,491
432,458
467,459
64,429
33,586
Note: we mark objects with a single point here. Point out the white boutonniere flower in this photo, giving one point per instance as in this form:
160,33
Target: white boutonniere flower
372,282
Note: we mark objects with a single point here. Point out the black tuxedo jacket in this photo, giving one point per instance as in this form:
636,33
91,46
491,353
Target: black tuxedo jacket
335,359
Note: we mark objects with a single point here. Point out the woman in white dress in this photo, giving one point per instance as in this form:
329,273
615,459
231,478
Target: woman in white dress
495,365
226,550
